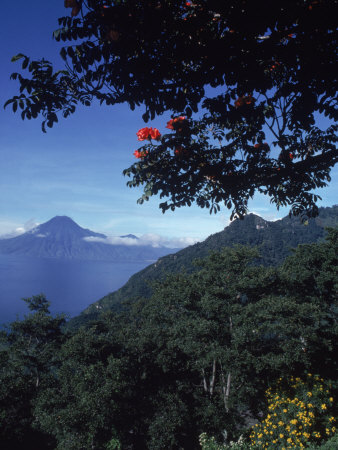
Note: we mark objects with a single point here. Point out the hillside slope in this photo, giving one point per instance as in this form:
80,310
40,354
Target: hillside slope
274,239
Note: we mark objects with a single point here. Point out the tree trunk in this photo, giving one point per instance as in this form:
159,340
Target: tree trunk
213,378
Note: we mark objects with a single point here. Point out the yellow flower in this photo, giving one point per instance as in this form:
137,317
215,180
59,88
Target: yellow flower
323,406
309,394
281,436
331,399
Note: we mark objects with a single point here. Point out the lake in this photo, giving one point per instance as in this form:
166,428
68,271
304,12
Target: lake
70,285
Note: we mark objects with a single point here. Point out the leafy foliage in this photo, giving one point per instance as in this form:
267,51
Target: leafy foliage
198,356
80,407
165,55
28,351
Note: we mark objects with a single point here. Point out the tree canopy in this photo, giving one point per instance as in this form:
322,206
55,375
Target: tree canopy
198,356
233,75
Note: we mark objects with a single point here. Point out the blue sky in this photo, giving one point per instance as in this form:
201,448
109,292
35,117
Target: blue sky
76,168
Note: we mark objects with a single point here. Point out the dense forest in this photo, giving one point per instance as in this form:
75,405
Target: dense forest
234,351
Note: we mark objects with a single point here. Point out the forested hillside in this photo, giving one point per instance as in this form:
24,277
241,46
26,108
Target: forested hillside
233,349
274,240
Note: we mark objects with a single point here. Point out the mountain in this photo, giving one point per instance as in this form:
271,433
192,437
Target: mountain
274,239
130,236
61,237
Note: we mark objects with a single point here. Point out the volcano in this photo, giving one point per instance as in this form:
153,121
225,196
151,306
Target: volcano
61,237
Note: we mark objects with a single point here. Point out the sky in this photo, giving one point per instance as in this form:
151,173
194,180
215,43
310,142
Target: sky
76,168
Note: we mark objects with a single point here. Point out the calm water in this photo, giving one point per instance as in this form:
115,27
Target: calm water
69,285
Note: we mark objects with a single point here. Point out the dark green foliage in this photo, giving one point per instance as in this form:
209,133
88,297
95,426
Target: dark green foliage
167,56
28,359
310,275
232,330
274,239
197,356
81,407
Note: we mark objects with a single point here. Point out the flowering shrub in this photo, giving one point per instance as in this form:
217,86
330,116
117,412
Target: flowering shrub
211,444
298,414
274,66
176,123
262,146
242,101
140,153
181,151
143,134
148,133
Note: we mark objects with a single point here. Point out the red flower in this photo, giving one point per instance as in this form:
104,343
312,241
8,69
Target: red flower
249,99
140,154
262,145
154,134
313,3
180,151
241,101
172,124
274,65
148,133
291,156
143,134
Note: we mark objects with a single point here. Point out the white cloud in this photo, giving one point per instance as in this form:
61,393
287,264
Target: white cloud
150,239
9,230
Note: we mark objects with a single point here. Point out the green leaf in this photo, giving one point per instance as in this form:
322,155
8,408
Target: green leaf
17,57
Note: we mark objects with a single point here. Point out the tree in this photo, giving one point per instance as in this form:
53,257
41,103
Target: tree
310,275
28,352
210,344
274,70
79,409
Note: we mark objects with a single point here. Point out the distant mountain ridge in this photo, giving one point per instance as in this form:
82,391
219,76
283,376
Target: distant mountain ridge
61,237
274,239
